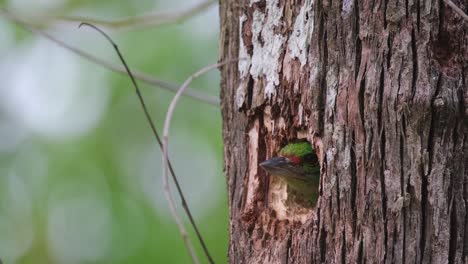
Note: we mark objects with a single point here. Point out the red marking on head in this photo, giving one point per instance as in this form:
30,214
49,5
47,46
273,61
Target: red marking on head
294,159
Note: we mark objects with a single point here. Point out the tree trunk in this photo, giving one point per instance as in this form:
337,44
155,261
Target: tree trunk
383,86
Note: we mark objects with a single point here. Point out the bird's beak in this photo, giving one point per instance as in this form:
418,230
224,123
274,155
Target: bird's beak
274,163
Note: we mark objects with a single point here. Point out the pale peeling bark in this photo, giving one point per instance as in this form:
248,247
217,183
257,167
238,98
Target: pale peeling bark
383,84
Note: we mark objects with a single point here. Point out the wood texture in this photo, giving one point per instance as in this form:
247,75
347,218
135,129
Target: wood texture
384,85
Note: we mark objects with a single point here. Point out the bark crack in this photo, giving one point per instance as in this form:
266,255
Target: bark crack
453,233
232,190
389,50
358,54
362,87
250,87
406,8
430,140
414,53
383,190
323,244
422,242
382,161
288,248
399,78
403,194
385,13
353,182
343,247
360,258
418,14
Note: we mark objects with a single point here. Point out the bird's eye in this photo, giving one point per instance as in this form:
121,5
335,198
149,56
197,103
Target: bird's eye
311,158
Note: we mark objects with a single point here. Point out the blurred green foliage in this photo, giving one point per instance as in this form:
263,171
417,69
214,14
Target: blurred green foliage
96,197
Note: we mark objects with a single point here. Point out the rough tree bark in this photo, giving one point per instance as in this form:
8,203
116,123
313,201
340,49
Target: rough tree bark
384,85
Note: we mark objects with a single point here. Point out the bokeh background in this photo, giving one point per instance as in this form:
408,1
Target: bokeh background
80,173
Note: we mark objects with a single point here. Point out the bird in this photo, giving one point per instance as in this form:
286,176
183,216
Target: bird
298,165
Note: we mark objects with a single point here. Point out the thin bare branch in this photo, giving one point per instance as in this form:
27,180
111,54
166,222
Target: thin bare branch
165,158
155,133
457,9
150,19
138,75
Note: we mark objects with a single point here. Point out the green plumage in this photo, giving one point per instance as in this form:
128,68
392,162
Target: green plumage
299,167
299,149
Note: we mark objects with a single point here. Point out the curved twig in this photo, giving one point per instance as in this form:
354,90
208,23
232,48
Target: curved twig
457,9
155,133
212,100
167,122
150,19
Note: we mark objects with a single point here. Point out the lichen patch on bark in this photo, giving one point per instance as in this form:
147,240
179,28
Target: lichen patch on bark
267,46
300,37
243,64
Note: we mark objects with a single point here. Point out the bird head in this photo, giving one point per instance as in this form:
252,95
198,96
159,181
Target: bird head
298,165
